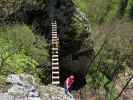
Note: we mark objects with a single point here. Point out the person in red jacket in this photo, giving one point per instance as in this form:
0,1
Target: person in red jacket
69,84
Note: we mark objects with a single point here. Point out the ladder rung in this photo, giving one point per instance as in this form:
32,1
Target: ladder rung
55,77
55,42
55,52
54,32
57,63
55,59
54,36
54,48
57,72
55,82
54,22
55,55
55,68
54,25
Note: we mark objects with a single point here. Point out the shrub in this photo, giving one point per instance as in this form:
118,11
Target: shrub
21,51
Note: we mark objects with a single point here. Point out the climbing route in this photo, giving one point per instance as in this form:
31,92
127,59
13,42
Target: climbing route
55,55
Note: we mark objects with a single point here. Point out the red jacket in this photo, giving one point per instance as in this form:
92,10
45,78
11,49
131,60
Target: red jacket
69,82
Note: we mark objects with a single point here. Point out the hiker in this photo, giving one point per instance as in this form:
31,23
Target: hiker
69,84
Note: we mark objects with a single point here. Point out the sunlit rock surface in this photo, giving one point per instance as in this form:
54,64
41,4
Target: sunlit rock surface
24,87
51,92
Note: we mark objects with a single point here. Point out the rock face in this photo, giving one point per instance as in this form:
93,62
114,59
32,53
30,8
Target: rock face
51,92
24,87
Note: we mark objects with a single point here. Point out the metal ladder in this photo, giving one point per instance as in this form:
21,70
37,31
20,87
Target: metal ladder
55,54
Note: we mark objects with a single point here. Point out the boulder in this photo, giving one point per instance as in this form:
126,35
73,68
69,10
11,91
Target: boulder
23,85
52,92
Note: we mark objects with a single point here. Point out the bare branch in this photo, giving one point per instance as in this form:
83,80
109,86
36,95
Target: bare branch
129,80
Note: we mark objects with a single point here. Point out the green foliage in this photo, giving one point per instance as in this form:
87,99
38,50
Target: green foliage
14,60
129,8
2,82
116,47
21,51
97,10
82,5
22,37
100,11
20,63
101,83
9,7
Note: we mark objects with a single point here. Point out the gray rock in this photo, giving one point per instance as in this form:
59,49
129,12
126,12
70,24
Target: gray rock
13,79
23,88
17,90
23,85
22,79
51,92
6,96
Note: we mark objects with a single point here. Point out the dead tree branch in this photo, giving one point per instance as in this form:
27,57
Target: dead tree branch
129,80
